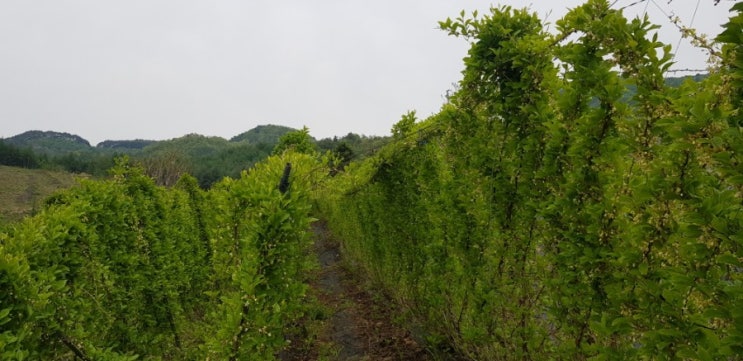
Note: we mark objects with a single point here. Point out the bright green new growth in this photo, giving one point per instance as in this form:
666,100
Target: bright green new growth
540,215
299,141
123,269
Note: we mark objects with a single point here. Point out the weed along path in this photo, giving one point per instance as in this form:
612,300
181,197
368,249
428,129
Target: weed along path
354,324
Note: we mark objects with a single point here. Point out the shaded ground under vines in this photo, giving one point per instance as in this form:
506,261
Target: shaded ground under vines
354,324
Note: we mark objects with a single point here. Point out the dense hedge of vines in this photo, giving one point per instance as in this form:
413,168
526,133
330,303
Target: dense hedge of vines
123,269
541,215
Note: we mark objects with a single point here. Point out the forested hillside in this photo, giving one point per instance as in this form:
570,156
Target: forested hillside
209,159
50,143
262,134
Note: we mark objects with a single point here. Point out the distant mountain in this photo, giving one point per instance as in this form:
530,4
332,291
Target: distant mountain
194,145
263,134
207,158
50,143
60,144
124,145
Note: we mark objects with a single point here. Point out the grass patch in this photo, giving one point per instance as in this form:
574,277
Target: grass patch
23,190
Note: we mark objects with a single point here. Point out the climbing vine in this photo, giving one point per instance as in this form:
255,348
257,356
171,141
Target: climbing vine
122,269
546,214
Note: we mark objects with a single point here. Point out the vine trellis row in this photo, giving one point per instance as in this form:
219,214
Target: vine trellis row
547,215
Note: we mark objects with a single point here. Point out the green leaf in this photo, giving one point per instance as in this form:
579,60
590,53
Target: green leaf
729,259
4,315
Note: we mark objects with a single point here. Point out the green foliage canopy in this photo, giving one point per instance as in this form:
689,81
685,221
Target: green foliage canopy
122,269
298,141
543,215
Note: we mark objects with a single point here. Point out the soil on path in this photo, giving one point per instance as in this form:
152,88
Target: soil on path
357,326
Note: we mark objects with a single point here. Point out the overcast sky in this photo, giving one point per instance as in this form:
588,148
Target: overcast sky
162,69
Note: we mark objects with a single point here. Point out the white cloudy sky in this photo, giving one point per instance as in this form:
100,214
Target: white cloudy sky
159,69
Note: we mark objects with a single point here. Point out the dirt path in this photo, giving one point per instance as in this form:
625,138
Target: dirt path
357,326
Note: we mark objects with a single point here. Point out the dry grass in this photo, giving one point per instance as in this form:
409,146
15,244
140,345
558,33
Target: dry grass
23,190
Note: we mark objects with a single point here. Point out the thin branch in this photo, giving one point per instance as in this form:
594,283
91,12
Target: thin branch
71,345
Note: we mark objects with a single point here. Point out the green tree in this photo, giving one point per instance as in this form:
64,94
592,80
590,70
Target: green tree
344,153
299,141
17,157
405,125
166,167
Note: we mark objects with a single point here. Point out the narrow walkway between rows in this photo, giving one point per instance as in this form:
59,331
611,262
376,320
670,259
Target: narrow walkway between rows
357,325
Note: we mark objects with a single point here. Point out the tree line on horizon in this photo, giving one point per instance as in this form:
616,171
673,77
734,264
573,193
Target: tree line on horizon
208,159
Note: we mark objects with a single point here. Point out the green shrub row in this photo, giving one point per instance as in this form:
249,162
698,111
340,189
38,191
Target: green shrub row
122,269
541,215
